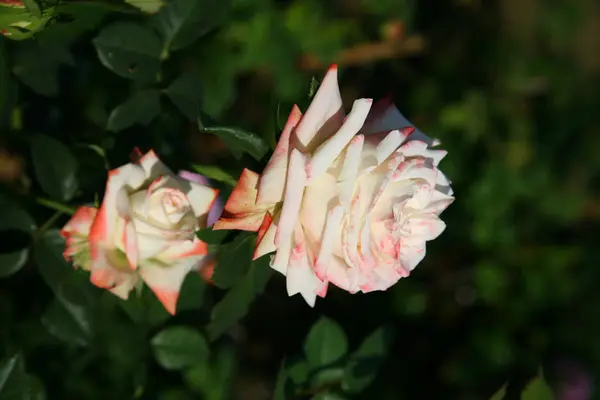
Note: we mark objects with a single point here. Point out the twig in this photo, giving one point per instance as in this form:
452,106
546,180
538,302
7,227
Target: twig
370,52
49,223
55,205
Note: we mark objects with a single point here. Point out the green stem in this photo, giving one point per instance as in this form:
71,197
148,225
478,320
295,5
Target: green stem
49,223
55,205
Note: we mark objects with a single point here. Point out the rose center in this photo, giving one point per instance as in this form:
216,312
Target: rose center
168,207
173,203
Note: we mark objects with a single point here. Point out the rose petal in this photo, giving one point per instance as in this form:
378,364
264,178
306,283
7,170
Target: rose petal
202,198
114,209
241,211
324,115
80,223
331,234
265,243
272,181
324,156
243,197
165,280
300,276
348,175
217,208
153,166
183,249
127,283
386,117
296,180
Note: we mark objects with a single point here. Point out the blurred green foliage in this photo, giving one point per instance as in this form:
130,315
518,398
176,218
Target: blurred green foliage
511,89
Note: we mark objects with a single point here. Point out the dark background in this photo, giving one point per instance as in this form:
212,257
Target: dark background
509,87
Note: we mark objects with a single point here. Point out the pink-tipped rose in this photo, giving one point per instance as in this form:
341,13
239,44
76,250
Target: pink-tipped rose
345,199
144,229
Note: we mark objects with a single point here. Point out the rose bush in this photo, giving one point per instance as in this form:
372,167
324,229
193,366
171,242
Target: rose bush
348,200
144,229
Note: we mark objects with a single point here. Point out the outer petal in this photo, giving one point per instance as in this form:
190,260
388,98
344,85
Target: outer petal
153,166
165,280
272,180
110,269
80,223
324,156
265,243
105,234
165,273
243,198
324,115
242,222
207,271
183,249
301,276
241,211
294,190
127,283
386,117
411,255
217,208
427,227
319,198
202,198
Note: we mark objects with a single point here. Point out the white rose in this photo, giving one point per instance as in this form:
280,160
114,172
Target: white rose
145,228
349,200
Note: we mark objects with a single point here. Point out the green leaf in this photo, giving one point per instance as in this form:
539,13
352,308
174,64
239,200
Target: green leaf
37,66
59,275
239,141
219,76
314,86
175,394
186,93
537,389
213,380
16,384
298,370
69,322
70,316
236,303
326,377
328,396
55,167
141,108
11,263
14,217
215,173
33,388
364,364
10,367
499,395
6,84
182,22
282,388
147,6
33,7
145,308
18,23
233,260
82,17
179,347
191,295
210,236
129,50
325,344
